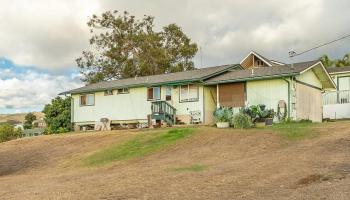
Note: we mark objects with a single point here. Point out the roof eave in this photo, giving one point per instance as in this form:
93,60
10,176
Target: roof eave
252,78
159,83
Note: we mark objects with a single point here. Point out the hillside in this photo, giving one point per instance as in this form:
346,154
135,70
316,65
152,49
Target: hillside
208,164
18,116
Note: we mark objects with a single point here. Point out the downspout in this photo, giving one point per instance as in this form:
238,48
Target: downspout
217,96
288,97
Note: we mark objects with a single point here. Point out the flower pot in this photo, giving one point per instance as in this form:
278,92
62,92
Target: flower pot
260,124
222,124
268,121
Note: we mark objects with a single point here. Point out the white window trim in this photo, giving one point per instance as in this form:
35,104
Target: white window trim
188,90
160,93
86,100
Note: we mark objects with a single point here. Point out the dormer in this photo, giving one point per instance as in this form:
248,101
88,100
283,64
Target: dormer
254,59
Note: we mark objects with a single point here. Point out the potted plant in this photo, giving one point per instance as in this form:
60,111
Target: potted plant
259,114
223,117
268,115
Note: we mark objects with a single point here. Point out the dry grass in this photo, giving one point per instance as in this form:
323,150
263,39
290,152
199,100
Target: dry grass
18,117
211,164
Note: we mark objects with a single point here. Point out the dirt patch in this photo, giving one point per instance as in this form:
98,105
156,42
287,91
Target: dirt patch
213,164
311,179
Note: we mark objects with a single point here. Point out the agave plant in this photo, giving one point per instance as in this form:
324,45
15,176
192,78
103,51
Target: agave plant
223,114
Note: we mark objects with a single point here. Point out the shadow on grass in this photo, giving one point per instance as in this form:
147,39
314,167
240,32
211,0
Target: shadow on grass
141,145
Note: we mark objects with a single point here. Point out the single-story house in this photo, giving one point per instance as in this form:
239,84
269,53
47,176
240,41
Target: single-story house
192,96
32,132
337,102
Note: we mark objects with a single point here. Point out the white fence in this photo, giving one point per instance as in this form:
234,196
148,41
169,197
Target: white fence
336,105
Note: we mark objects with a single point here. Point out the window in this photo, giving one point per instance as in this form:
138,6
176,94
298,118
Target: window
260,62
153,93
188,93
343,83
123,91
87,100
108,92
168,93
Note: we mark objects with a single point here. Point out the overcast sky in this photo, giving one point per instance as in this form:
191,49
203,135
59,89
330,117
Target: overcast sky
40,39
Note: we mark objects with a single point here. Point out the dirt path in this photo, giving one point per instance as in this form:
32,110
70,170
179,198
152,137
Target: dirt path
254,164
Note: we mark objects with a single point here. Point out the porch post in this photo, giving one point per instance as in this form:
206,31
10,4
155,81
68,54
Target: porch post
217,96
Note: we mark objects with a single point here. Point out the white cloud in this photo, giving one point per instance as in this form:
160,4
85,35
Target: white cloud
32,90
52,33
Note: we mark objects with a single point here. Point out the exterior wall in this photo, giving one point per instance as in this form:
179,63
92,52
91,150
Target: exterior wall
132,106
209,104
309,77
338,75
268,92
183,109
309,103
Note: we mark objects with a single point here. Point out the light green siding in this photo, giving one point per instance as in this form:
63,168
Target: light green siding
309,77
131,106
340,80
268,92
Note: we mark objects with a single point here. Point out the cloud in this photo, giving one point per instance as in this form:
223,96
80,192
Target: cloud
52,33
42,38
30,89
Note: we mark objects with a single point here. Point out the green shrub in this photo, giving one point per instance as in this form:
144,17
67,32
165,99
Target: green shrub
241,120
223,114
258,112
8,132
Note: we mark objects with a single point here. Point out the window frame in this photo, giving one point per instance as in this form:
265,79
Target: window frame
153,99
168,89
124,91
86,95
338,82
188,99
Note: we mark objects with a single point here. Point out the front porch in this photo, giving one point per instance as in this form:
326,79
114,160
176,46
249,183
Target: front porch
336,105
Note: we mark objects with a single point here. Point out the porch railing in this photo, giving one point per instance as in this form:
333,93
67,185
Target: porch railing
336,97
164,109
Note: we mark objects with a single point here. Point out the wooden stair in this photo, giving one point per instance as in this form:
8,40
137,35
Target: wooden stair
162,110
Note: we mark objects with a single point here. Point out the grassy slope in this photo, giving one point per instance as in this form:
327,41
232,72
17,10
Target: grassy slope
295,130
146,144
140,146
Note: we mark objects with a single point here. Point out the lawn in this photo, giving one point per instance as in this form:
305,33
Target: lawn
141,145
187,163
295,130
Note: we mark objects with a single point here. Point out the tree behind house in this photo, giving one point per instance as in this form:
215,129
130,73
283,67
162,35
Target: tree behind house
58,115
327,62
28,121
124,47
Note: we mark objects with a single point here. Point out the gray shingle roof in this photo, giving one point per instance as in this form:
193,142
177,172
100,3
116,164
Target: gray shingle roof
338,69
193,75
262,72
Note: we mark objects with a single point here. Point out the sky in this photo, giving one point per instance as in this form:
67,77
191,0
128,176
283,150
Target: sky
40,39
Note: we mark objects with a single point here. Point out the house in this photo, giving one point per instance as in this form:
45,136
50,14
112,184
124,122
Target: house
337,102
32,132
192,96
39,123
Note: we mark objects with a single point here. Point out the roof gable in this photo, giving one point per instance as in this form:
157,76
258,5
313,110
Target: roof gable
254,59
322,74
